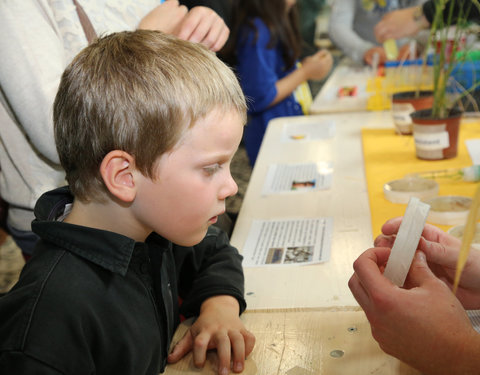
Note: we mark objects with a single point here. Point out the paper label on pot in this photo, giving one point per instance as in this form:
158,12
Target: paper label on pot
401,113
431,141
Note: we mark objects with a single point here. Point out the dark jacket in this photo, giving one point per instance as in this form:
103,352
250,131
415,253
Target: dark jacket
96,302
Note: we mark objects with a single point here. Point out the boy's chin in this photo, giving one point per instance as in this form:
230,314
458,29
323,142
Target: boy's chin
191,240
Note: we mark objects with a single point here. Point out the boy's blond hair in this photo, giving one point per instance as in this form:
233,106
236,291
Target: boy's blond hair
137,92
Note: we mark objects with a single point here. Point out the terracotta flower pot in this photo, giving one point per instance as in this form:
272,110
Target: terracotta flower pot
436,139
405,103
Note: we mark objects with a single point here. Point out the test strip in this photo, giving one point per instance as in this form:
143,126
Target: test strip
406,242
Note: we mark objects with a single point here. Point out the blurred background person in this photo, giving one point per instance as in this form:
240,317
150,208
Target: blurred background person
43,37
264,48
410,21
351,27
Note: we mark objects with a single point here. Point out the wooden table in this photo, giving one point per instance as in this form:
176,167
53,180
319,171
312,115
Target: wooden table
346,74
305,319
322,285
306,342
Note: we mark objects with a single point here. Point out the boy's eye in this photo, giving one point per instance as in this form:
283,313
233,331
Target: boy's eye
212,169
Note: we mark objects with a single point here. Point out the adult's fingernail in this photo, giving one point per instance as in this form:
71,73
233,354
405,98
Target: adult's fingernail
421,256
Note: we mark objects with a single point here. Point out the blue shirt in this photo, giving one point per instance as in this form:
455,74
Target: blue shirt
258,69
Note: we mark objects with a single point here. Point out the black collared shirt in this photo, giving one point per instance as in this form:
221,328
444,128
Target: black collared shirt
96,302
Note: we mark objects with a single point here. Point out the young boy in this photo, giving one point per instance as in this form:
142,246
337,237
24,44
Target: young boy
146,126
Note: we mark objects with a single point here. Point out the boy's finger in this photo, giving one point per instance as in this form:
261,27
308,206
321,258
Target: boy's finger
181,348
224,351
249,341
238,349
200,346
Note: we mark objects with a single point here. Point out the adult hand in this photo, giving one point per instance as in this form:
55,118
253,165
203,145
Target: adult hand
203,25
218,327
166,17
404,53
400,23
199,25
369,54
441,250
318,65
424,326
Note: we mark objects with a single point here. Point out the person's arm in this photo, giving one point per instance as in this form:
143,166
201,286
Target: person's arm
425,325
340,30
33,60
256,69
210,281
316,66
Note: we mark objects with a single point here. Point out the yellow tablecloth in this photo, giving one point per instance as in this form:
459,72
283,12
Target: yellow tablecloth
389,156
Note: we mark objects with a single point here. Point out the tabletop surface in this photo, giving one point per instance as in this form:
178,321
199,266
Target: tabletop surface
347,76
305,342
305,319
320,285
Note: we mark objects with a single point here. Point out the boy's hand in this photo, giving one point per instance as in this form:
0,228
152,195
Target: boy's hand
218,326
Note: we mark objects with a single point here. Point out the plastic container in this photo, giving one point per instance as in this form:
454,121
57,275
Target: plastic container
449,210
400,191
457,231
405,103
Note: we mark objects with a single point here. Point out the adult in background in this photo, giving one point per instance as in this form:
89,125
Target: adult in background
351,27
40,38
410,21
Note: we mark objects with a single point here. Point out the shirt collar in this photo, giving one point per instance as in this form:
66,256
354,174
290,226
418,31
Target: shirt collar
109,250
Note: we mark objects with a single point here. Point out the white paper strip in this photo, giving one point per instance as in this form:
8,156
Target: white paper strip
406,242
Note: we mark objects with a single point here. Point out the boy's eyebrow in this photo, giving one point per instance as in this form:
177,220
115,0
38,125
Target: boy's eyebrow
213,158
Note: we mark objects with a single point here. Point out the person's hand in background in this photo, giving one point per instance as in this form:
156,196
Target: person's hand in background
400,24
199,25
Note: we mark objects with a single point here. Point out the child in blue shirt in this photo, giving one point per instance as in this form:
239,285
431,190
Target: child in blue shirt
266,51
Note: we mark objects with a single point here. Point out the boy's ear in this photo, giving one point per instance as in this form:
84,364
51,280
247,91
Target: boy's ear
118,173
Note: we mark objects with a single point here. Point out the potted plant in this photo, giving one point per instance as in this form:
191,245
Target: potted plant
436,129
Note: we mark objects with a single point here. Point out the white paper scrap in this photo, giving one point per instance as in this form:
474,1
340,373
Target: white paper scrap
406,242
308,131
288,242
284,178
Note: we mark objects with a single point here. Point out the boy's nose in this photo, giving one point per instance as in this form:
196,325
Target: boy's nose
230,188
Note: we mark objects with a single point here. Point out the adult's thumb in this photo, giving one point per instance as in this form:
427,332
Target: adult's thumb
419,270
